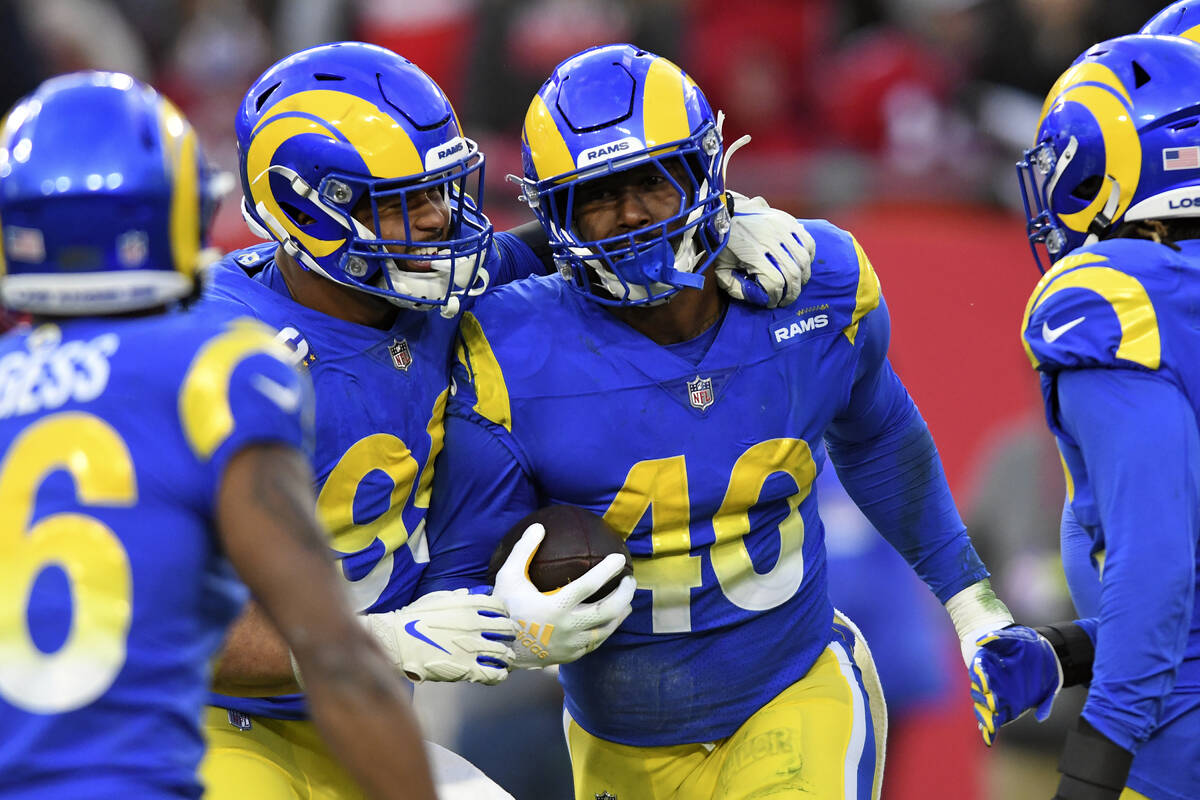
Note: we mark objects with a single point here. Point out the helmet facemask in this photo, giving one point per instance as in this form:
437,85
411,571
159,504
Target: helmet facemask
649,265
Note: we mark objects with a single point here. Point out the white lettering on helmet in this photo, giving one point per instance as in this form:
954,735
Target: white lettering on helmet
604,152
450,152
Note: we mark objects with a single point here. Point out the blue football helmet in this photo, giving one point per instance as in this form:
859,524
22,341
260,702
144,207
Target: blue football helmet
610,109
1118,141
105,198
1177,19
352,126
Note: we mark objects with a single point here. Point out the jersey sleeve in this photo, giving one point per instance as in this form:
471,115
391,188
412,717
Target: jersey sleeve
241,389
482,486
1087,312
1083,580
889,465
515,257
1139,441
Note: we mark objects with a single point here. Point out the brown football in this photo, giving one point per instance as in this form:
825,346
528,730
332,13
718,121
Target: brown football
575,541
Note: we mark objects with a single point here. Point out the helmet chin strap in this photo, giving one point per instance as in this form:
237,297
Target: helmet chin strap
288,242
1101,223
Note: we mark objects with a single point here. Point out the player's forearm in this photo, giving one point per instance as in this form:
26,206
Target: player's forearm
895,476
255,660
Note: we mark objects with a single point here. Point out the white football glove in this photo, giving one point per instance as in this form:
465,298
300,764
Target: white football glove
557,627
447,636
769,255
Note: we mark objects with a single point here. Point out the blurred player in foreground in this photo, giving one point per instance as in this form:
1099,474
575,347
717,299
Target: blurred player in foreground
353,163
139,446
628,385
1111,186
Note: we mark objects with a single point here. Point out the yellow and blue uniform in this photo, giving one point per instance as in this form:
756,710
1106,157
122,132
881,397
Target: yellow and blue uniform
380,405
1114,330
114,593
703,456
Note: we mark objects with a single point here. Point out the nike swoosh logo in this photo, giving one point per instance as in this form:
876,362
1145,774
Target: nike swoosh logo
411,630
1051,334
287,398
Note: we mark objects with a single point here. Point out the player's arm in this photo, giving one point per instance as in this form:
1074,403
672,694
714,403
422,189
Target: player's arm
1083,579
1139,440
887,461
269,531
481,489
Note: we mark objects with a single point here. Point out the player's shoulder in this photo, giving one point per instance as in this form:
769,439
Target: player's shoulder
1102,306
239,357
843,285
230,281
515,311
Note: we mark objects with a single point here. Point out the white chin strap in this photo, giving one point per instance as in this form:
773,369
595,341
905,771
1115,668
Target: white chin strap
433,284
687,256
1105,217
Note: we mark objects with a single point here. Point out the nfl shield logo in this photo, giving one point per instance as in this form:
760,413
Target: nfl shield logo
700,392
133,247
401,357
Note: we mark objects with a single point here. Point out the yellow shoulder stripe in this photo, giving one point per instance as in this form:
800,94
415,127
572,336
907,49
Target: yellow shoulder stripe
491,393
866,298
1067,475
437,437
204,397
1140,342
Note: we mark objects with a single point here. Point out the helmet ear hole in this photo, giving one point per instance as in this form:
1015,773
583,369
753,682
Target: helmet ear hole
296,215
261,100
1088,188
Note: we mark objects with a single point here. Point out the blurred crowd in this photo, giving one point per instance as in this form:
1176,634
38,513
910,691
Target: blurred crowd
846,100
852,104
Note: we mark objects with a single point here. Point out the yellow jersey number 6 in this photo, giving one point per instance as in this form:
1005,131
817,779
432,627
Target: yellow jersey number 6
85,549
670,574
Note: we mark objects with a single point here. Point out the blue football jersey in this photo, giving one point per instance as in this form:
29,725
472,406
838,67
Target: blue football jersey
1124,315
705,466
380,404
114,594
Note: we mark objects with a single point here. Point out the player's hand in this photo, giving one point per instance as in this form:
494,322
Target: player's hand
1014,671
557,627
769,255
448,636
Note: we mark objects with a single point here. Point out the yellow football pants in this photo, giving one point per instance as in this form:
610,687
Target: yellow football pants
822,737
275,759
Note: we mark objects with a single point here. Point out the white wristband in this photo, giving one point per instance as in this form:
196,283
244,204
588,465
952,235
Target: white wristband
976,612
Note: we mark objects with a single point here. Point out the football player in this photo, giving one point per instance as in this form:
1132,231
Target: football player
1111,187
695,424
352,162
140,447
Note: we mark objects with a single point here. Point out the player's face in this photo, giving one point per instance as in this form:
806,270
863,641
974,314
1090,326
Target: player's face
428,216
626,201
